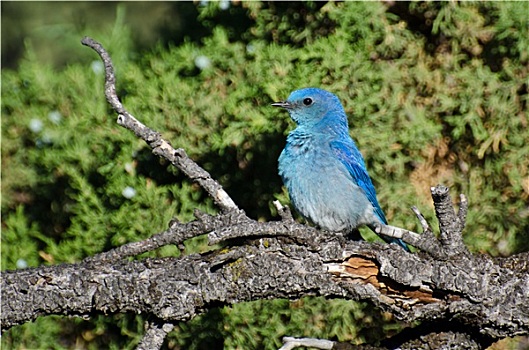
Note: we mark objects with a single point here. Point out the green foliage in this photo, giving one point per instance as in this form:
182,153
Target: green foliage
435,92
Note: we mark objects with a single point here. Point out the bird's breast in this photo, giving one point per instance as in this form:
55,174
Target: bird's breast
320,186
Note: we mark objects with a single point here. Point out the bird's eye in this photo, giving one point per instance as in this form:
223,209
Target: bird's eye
307,101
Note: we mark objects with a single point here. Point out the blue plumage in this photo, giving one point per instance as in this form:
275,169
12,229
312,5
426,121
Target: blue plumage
322,168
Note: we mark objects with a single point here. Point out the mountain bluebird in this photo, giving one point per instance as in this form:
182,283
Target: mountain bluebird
322,168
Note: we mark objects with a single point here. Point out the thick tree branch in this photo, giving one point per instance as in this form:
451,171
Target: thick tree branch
474,290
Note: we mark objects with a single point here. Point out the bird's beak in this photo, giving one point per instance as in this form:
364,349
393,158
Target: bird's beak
282,104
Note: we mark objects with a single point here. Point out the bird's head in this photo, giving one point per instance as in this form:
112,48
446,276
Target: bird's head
309,106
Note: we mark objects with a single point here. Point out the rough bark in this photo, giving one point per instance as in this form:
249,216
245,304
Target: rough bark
474,290
463,300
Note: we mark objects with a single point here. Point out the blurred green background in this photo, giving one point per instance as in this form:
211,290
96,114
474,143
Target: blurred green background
436,92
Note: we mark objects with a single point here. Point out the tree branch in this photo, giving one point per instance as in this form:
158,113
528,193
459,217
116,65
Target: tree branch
155,335
161,147
473,289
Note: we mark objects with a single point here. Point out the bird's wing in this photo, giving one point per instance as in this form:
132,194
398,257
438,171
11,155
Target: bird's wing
351,157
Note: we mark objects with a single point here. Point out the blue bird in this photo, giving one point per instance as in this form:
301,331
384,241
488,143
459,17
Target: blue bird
323,170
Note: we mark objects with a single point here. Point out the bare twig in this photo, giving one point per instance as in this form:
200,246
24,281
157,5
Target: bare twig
160,147
155,335
422,220
283,211
290,343
176,234
450,224
463,210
